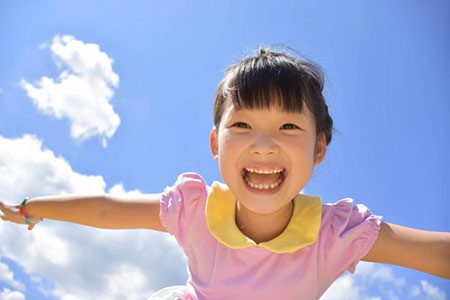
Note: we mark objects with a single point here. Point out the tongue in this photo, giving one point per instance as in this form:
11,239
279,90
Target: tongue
262,178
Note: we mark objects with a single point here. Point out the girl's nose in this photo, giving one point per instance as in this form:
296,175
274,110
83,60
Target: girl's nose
264,144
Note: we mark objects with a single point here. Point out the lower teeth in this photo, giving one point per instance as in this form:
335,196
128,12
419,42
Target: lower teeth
264,186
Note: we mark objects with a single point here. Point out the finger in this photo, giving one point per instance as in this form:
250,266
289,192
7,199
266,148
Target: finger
5,217
5,208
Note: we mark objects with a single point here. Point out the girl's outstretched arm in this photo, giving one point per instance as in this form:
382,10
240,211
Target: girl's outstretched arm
421,250
102,211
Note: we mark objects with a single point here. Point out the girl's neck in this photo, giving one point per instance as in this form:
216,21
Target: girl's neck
263,227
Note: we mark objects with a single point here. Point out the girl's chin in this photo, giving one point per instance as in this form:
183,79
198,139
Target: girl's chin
261,205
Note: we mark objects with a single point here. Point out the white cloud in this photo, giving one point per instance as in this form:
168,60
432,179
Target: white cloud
7,276
344,288
427,291
119,189
375,282
83,91
75,262
7,294
28,169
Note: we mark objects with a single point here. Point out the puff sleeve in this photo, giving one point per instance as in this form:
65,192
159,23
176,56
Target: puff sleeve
181,204
348,232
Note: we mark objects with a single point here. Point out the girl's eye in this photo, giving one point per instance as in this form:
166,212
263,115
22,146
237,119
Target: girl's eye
289,126
241,125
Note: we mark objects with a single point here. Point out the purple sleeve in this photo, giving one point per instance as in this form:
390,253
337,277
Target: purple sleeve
180,205
349,232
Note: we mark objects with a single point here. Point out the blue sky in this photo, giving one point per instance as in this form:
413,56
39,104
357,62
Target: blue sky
126,106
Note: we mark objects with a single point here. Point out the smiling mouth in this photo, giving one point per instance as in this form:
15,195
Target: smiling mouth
263,179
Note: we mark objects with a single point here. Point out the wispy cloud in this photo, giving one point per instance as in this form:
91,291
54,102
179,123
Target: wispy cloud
427,291
83,91
7,277
74,262
375,282
7,294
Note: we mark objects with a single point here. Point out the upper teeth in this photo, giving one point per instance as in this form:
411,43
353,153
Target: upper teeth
264,171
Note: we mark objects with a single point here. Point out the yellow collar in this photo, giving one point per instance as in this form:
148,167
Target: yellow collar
302,230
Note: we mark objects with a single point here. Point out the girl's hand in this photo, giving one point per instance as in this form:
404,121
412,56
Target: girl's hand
11,213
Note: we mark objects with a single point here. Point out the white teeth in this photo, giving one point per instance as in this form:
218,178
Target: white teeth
264,186
264,171
261,186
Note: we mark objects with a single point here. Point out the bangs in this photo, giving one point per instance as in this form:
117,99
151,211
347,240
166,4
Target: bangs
267,82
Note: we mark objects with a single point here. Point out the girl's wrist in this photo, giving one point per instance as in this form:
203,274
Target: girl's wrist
29,220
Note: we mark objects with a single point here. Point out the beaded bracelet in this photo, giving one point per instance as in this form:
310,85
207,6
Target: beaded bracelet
28,220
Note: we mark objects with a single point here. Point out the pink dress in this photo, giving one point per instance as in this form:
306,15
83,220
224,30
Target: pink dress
228,265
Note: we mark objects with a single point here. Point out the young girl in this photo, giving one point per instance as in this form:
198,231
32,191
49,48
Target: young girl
256,237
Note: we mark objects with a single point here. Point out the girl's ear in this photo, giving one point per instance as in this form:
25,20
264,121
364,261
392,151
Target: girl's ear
321,149
213,143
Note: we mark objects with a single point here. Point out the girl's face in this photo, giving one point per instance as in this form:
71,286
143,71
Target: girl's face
266,156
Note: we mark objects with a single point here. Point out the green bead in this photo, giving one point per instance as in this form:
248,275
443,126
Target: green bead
24,201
